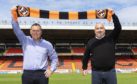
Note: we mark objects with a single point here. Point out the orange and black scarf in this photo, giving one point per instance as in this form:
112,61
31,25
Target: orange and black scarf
22,11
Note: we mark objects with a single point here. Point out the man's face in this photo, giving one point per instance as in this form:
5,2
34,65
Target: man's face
99,30
36,32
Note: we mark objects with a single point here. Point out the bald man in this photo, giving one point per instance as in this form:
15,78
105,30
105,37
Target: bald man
101,49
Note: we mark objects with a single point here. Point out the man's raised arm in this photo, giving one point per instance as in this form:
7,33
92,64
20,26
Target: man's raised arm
15,25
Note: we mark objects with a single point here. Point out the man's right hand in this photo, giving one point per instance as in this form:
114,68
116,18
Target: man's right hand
14,14
84,72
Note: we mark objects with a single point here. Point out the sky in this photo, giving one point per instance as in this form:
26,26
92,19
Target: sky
125,9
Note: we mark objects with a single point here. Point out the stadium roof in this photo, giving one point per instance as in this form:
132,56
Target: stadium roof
67,36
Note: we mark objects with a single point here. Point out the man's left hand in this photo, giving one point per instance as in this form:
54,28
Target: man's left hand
48,73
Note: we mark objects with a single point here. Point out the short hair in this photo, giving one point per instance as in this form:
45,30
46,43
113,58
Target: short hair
36,24
100,24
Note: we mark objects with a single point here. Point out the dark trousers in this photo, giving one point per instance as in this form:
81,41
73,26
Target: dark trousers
34,77
104,77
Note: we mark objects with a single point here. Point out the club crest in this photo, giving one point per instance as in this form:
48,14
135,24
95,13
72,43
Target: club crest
23,11
101,14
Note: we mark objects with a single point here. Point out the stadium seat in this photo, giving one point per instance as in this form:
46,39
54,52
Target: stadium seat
13,52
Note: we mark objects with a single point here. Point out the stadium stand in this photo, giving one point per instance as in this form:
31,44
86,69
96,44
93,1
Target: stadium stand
63,49
10,63
126,63
78,50
70,46
134,50
2,49
123,49
13,52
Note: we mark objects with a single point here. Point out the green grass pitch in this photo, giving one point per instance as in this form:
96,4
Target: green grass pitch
126,78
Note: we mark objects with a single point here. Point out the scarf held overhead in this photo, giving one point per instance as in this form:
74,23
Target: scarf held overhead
22,11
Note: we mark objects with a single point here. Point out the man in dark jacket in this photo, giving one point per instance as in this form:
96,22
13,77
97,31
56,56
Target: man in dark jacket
102,48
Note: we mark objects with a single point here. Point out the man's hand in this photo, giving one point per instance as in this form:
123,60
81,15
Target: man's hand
14,14
84,72
48,73
111,10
